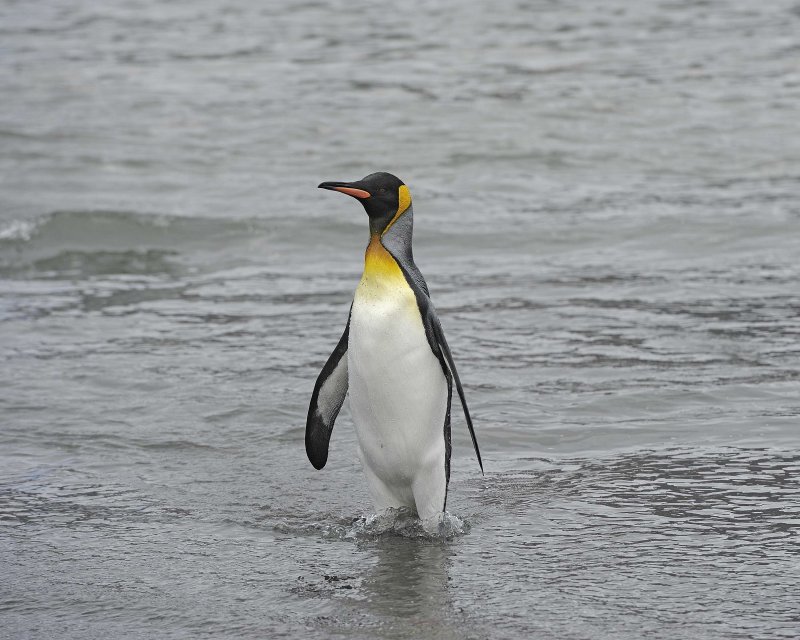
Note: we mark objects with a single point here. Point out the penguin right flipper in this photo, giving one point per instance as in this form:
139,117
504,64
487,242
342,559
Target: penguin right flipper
326,401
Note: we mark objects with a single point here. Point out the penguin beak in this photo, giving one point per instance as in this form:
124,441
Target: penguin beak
346,187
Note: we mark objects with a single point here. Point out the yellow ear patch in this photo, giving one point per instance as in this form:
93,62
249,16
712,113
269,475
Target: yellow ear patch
404,196
404,200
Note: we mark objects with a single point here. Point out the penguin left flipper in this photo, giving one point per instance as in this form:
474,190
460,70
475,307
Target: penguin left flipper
438,334
439,346
326,402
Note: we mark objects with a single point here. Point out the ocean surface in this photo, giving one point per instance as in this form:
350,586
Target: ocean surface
607,200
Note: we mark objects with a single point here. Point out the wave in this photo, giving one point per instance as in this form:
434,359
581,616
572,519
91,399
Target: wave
121,229
130,230
18,230
86,243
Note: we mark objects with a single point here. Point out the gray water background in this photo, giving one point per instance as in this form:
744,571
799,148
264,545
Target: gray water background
607,200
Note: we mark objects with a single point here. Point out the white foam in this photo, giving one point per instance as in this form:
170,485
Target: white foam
18,230
391,522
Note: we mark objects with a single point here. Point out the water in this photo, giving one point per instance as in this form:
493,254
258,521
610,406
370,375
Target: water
608,216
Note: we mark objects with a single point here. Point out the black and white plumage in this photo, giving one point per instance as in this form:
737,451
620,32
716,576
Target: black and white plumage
394,360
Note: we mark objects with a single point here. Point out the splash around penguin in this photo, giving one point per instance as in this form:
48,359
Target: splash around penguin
394,360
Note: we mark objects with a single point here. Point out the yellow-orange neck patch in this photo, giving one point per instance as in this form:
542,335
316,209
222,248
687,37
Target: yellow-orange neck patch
382,279
378,262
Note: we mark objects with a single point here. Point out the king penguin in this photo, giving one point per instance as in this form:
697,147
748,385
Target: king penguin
394,361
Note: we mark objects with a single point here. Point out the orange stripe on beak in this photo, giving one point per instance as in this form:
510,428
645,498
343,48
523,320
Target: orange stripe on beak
356,193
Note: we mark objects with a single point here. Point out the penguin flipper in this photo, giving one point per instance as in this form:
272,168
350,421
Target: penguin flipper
433,330
326,401
441,341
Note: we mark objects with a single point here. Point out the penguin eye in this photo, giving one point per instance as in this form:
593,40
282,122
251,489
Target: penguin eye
382,190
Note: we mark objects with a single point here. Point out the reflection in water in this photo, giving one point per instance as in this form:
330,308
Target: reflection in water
401,588
409,581
408,591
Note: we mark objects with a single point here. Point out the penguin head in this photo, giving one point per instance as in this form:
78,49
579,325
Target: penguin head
385,198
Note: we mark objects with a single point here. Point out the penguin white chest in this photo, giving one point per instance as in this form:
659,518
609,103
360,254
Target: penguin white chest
398,392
